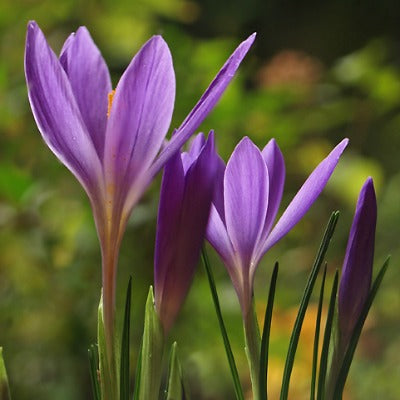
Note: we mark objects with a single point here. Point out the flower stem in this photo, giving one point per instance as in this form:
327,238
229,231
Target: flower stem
253,349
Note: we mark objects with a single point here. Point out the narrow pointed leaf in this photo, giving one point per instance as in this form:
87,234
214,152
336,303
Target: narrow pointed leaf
316,337
4,388
152,352
327,338
174,390
138,374
265,335
125,349
348,358
294,339
228,349
94,369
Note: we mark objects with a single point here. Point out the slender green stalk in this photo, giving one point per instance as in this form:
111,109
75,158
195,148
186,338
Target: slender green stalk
327,337
109,378
4,388
294,339
316,337
253,349
138,374
340,381
227,345
125,347
265,335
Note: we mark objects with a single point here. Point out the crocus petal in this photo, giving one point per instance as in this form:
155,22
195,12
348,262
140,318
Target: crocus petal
276,172
171,197
90,82
246,198
140,115
188,157
357,267
218,200
204,105
197,144
56,111
306,196
218,237
179,256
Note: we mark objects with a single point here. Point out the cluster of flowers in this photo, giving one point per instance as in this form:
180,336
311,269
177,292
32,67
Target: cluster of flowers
113,141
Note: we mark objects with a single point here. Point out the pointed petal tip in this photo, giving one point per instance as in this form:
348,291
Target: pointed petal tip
244,141
210,140
338,150
32,24
244,47
343,144
369,182
32,32
367,192
251,38
244,144
272,142
82,30
158,40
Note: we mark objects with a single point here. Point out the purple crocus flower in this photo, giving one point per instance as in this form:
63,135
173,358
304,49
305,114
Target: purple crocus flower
186,194
356,277
248,194
111,140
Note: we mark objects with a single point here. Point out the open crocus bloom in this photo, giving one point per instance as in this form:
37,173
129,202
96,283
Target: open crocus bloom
356,276
247,198
186,193
111,140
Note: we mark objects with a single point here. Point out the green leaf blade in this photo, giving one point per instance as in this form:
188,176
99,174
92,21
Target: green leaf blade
174,390
4,387
327,336
294,339
228,349
152,352
265,335
125,348
316,337
94,371
348,358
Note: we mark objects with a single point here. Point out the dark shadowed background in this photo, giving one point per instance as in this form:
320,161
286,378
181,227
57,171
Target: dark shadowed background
317,73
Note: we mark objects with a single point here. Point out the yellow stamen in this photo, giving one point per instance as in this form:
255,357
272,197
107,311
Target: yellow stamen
110,100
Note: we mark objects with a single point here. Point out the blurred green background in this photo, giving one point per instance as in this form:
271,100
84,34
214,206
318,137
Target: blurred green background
317,73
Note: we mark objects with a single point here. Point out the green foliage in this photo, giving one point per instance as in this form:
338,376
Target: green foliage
125,347
175,387
224,334
151,353
294,339
93,354
348,358
316,336
265,335
4,389
323,363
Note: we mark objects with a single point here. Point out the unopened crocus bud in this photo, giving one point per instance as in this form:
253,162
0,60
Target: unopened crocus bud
186,194
356,277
